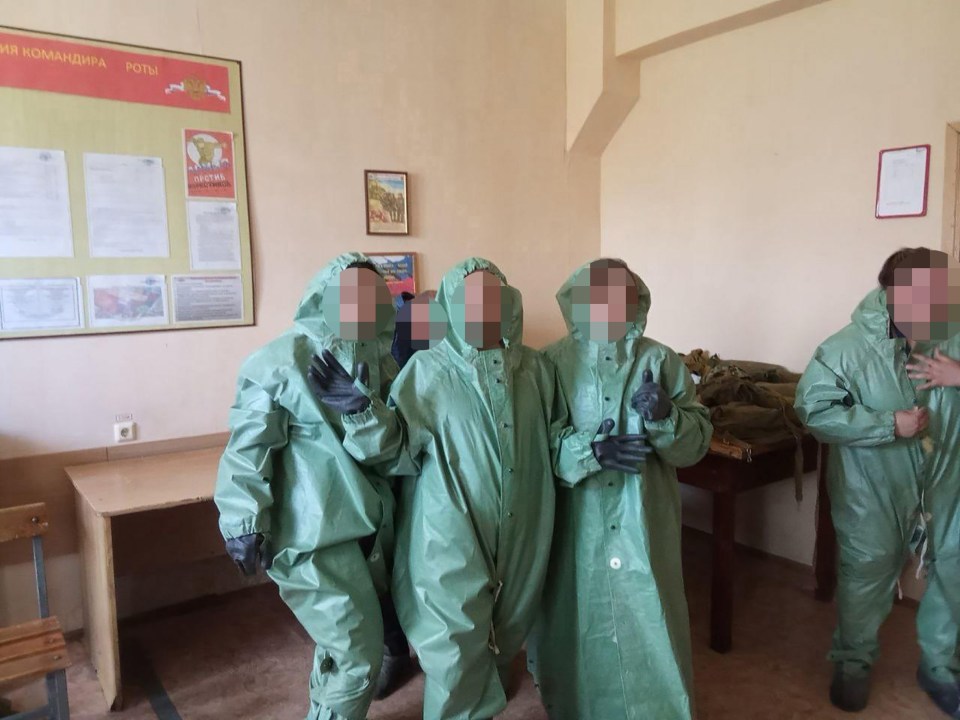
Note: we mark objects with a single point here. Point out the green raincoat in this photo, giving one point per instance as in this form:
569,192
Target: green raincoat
481,430
286,474
613,641
886,493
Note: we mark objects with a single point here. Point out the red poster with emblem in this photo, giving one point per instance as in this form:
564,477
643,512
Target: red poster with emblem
76,68
208,158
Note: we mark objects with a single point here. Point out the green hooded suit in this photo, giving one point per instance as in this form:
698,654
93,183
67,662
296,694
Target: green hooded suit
286,474
483,431
613,641
887,495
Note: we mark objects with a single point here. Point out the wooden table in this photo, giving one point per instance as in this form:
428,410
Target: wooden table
124,487
727,471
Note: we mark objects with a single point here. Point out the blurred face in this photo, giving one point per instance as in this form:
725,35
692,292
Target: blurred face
428,322
483,310
359,305
605,301
924,303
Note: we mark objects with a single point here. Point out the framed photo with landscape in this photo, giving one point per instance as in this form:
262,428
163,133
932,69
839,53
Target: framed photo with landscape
386,194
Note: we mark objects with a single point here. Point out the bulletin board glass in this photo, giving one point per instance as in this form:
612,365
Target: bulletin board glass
123,190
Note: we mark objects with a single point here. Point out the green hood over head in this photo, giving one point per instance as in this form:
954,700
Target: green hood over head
310,317
566,293
872,316
450,297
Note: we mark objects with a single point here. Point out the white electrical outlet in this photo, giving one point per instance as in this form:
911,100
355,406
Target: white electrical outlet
125,431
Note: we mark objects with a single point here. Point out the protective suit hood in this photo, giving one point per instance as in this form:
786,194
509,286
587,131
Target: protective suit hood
310,319
452,281
871,315
565,301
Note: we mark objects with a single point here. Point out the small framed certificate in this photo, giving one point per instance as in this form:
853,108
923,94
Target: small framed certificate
902,178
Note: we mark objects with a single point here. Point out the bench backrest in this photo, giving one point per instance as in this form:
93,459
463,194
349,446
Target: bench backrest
29,521
23,521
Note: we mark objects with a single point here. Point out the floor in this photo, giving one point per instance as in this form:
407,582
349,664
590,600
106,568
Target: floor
244,656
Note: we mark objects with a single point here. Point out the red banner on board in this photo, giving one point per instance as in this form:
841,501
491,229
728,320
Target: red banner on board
35,63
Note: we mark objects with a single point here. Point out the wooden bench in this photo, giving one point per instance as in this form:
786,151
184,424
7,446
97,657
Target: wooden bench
37,648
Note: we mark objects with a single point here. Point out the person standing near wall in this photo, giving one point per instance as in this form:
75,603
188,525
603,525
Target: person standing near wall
480,421
421,324
613,638
293,500
894,474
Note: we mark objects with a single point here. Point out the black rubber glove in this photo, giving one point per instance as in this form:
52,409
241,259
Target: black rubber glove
620,452
247,550
334,387
650,400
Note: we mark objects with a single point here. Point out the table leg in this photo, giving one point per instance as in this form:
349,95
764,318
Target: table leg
825,559
99,600
721,597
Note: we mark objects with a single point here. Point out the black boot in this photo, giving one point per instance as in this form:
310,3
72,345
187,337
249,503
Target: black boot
942,690
397,665
394,671
850,688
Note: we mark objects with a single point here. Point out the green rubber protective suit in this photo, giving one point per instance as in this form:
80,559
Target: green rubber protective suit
482,431
613,640
286,474
888,495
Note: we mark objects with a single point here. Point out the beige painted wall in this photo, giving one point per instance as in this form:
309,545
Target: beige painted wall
469,97
584,62
644,22
742,185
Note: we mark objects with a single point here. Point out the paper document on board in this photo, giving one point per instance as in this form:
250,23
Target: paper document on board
40,304
214,235
207,298
34,204
127,300
126,206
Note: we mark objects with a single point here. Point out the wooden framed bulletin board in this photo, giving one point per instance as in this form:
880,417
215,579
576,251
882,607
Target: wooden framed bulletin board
123,191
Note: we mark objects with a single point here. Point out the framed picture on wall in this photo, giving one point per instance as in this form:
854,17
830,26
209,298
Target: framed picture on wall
399,270
386,193
902,178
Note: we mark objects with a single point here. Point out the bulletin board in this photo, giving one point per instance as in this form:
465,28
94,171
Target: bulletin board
123,190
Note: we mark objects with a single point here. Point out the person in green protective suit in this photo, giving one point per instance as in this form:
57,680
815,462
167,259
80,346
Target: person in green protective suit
292,497
481,422
613,639
893,474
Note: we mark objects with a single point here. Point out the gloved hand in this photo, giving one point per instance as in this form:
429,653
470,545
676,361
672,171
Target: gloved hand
334,387
246,550
619,452
650,400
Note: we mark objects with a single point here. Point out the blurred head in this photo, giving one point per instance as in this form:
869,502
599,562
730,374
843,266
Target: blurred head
923,293
358,305
605,300
483,310
423,321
